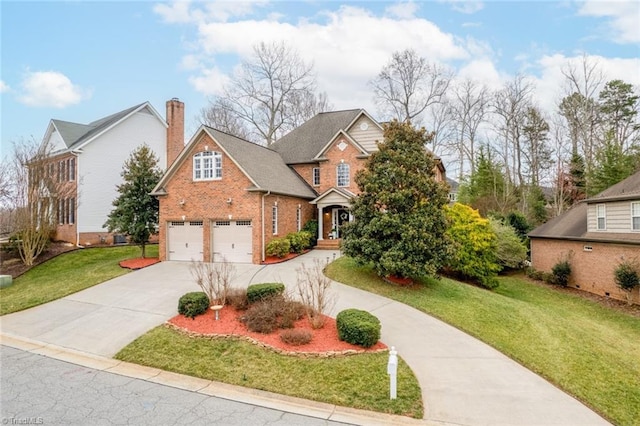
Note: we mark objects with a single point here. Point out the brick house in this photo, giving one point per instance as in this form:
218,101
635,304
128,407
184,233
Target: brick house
225,197
595,235
87,160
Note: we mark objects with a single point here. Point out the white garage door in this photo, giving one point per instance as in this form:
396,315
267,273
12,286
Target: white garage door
185,240
232,241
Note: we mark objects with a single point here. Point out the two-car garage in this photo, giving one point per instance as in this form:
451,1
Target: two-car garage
230,240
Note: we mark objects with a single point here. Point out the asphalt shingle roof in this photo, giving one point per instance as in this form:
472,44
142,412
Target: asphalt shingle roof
263,165
572,225
302,144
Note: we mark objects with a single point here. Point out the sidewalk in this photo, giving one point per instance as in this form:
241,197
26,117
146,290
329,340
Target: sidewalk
463,381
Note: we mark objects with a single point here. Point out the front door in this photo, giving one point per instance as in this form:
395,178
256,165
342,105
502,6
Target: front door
340,216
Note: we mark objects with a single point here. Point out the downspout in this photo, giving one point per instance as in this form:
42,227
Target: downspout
77,153
262,254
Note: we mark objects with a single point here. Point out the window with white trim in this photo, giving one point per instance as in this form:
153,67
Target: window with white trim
274,219
71,213
601,216
316,176
343,174
207,165
299,218
71,168
635,216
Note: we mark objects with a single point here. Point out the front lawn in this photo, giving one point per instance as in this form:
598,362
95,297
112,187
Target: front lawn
358,381
588,350
67,274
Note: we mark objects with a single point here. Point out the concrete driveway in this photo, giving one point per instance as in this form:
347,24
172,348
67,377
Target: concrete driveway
463,380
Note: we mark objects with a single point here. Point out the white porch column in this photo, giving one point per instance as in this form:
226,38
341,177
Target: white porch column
320,220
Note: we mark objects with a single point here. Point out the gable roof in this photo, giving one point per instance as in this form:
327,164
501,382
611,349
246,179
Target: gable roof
345,135
304,143
624,190
263,166
76,135
572,225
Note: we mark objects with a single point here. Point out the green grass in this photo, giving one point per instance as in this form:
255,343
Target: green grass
588,350
358,381
67,274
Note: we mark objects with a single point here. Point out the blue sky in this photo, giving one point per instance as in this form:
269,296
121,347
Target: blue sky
79,61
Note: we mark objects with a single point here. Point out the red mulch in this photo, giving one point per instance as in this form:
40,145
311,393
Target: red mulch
401,281
139,262
324,342
270,260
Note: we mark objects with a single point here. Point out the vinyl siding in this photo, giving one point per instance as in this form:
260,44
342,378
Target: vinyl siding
101,161
366,138
618,217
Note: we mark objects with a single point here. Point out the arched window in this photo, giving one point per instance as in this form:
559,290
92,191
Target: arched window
343,174
207,165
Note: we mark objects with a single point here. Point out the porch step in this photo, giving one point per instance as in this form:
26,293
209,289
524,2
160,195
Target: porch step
328,244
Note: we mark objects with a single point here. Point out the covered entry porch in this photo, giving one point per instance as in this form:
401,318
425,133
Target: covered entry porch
333,212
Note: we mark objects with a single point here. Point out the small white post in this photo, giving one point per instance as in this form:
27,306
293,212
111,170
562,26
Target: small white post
392,371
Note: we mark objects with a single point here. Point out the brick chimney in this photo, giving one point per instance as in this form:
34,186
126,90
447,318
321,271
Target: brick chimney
175,131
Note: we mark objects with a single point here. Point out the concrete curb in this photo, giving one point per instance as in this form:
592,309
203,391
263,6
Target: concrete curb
207,387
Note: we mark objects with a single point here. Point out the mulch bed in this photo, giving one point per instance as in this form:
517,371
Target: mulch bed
325,342
270,260
139,262
12,264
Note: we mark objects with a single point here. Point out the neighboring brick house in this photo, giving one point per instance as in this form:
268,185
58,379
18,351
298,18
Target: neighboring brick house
225,197
88,160
595,235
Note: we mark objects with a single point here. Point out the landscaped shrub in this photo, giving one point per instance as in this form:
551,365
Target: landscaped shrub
261,317
299,241
474,246
312,228
291,311
627,277
296,336
534,274
257,292
237,297
561,272
511,252
192,304
279,247
358,327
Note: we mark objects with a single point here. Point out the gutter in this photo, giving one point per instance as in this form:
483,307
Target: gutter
262,254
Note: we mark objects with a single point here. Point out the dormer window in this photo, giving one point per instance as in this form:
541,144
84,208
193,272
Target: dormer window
207,165
343,175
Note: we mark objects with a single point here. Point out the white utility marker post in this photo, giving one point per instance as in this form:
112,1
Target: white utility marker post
392,371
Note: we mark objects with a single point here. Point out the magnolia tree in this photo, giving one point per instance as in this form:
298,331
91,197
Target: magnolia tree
400,225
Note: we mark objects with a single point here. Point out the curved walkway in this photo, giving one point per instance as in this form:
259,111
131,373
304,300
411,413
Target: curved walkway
464,381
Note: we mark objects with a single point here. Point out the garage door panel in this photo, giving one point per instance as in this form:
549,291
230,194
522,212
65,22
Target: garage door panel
232,240
185,240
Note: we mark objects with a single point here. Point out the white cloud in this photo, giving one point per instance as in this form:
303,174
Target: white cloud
623,23
404,10
465,6
50,89
4,87
210,81
550,82
186,11
483,71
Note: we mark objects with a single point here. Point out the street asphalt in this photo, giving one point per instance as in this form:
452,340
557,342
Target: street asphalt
463,381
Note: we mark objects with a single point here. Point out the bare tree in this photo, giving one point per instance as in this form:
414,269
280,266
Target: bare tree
264,91
536,151
408,85
469,108
214,279
221,116
439,120
583,81
304,105
313,289
510,106
31,197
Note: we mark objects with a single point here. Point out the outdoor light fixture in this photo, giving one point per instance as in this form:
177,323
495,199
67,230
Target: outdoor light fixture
229,201
182,203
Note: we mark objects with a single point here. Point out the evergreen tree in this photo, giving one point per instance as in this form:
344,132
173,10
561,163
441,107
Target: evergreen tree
136,212
399,222
613,165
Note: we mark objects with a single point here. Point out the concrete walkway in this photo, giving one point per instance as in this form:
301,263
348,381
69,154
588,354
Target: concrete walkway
464,381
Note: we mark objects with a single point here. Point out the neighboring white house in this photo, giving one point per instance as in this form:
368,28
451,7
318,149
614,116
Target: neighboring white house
90,157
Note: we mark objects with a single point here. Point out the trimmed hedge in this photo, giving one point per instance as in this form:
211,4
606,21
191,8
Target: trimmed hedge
299,241
257,292
561,272
278,247
358,327
192,304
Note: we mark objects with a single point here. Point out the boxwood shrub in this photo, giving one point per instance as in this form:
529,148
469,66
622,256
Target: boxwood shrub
278,247
257,292
192,304
358,327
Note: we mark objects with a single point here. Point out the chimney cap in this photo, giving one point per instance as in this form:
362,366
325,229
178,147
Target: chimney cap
175,99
